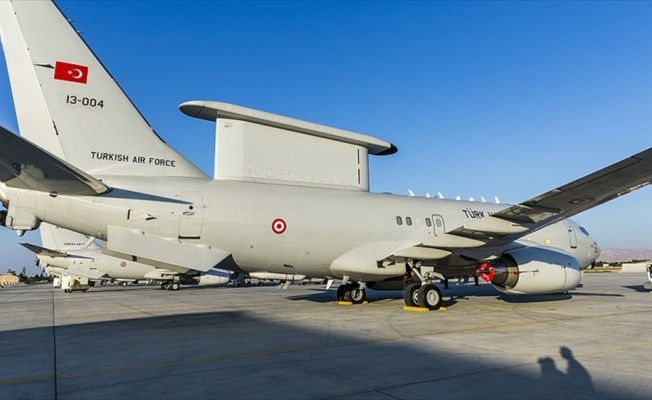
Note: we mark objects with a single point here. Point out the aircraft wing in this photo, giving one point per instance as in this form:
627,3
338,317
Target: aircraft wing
42,251
580,195
518,220
23,165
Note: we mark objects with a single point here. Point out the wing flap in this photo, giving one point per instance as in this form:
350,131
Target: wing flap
422,253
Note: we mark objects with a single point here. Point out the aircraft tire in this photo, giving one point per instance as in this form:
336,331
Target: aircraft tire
347,293
175,286
430,297
165,285
344,293
358,295
411,294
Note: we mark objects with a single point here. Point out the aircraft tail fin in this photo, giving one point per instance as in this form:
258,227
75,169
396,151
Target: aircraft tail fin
64,240
68,103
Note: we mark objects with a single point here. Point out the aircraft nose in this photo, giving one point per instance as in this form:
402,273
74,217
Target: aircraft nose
598,250
594,251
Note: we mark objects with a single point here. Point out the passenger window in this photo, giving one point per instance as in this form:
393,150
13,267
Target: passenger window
399,221
438,223
428,222
408,221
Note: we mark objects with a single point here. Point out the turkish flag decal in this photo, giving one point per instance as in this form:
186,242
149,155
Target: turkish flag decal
64,71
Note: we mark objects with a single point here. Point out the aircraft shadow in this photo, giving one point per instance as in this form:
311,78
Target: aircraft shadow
637,288
450,296
584,294
234,354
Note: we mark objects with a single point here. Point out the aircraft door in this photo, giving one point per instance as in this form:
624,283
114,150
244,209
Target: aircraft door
191,216
438,225
571,234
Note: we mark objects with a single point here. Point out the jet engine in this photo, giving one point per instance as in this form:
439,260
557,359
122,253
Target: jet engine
212,277
532,270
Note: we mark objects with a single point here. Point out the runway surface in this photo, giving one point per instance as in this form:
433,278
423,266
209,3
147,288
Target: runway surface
142,342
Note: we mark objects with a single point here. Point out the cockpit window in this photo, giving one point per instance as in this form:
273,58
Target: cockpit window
584,231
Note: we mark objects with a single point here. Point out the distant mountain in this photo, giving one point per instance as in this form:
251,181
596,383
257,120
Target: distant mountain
624,255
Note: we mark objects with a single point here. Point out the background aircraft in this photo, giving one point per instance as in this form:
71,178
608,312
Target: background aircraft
289,196
69,253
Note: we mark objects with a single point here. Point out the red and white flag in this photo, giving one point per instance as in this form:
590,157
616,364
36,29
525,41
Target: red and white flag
64,71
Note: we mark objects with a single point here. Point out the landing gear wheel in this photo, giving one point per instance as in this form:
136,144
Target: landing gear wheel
165,285
347,293
430,297
357,295
411,294
340,292
175,286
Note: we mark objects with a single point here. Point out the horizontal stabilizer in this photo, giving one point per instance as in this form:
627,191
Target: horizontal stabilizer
23,165
170,252
42,251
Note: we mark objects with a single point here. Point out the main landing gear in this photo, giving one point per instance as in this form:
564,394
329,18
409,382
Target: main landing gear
352,292
423,293
419,290
170,285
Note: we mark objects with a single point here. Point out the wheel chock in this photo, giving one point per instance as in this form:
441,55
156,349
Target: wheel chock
348,303
421,309
415,309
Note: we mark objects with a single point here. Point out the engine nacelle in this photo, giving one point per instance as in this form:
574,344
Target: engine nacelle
213,277
533,270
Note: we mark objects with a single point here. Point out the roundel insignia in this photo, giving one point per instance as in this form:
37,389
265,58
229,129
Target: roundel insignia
580,200
123,264
279,226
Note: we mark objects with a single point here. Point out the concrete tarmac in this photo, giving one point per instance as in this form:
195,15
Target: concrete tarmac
142,342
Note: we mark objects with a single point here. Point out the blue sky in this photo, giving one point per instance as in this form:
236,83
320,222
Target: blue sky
507,99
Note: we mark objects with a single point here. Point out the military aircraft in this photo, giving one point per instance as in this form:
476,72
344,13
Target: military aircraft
288,197
65,252
648,270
